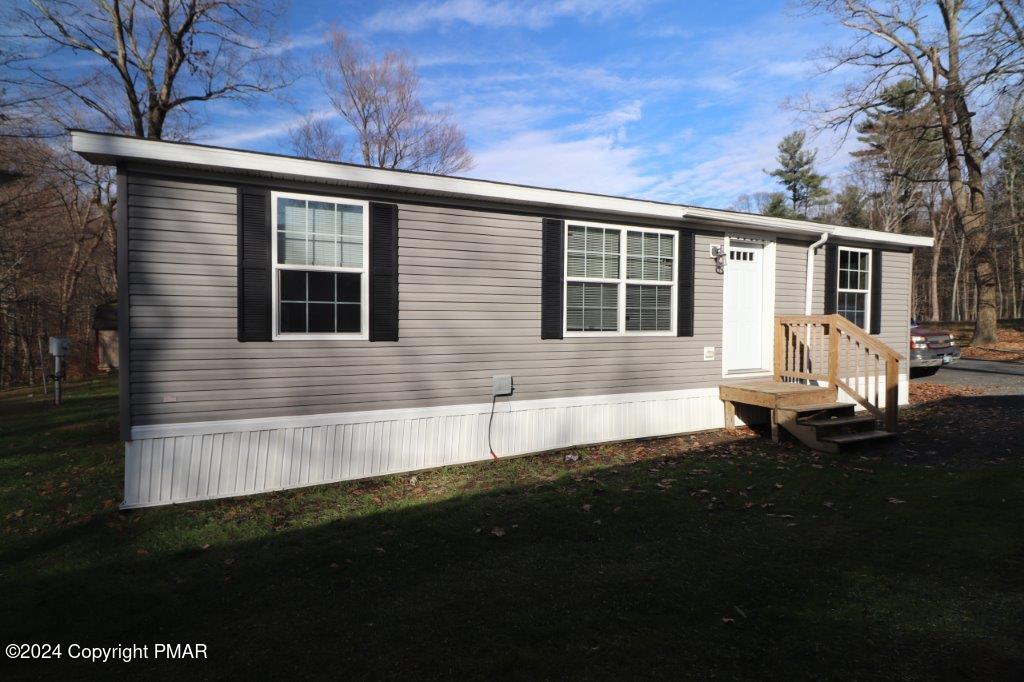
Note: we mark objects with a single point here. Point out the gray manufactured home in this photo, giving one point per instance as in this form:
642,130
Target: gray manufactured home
285,322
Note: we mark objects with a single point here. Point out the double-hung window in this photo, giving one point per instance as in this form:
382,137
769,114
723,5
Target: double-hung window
854,286
320,251
619,280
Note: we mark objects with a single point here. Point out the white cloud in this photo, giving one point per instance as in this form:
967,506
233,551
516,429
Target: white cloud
237,135
628,112
598,163
716,169
493,13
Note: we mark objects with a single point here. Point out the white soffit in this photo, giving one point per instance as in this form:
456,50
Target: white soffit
103,148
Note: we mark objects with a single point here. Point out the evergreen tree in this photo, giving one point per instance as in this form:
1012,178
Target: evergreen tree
851,207
796,172
776,206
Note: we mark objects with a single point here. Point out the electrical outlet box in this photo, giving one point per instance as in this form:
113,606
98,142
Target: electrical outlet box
60,346
501,384
709,352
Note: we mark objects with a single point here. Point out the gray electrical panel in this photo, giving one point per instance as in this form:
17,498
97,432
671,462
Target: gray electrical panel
501,384
60,346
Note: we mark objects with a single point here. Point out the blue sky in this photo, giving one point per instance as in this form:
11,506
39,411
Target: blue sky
669,99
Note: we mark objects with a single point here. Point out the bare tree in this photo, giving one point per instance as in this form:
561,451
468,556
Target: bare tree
56,262
380,100
316,138
155,59
966,58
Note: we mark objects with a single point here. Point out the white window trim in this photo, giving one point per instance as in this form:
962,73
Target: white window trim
866,292
364,281
621,281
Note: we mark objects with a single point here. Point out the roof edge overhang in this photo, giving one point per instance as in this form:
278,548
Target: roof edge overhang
110,149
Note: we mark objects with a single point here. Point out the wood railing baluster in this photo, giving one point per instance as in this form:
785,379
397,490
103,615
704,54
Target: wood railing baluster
831,348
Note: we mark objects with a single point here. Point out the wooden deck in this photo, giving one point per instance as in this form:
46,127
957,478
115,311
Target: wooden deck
810,350
771,395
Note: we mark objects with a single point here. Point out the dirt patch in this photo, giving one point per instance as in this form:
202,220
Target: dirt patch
1010,347
923,392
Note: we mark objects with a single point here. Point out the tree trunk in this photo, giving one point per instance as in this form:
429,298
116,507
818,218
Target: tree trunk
954,309
936,257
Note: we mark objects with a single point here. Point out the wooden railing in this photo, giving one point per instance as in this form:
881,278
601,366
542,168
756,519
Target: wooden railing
833,349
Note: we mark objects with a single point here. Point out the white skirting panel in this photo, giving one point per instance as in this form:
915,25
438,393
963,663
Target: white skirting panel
175,463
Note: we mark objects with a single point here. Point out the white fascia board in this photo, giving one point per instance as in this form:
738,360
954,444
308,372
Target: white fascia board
806,227
885,237
100,148
103,148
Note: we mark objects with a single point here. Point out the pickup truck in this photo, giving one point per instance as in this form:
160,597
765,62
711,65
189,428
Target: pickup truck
930,349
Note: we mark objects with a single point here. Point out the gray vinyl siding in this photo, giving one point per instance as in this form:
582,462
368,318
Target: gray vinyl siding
896,274
469,282
790,277
896,283
469,309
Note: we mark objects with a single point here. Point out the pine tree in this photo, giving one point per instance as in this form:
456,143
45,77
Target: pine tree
796,172
776,206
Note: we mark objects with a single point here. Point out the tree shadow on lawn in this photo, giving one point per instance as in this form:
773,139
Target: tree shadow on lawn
741,559
90,403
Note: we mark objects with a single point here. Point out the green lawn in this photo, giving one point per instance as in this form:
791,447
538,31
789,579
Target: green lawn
712,556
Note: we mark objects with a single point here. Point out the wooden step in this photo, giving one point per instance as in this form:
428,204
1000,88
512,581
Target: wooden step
821,407
852,420
857,438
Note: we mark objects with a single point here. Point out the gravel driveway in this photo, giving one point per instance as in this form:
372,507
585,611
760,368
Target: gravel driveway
996,378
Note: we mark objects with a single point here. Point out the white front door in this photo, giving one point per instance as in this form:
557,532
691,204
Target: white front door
743,342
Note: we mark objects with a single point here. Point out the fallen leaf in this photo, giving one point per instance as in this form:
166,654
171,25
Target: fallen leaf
895,500
728,621
498,532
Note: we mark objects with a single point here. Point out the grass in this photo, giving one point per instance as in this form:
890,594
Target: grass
717,555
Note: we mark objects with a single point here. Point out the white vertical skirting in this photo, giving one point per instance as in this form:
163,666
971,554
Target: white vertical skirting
207,460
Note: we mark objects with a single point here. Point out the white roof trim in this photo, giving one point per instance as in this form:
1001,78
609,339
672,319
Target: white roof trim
104,148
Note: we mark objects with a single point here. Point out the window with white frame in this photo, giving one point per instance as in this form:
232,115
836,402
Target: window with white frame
320,254
854,287
619,279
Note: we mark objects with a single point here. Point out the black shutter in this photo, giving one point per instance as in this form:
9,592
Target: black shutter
552,257
383,272
876,291
254,290
831,278
684,297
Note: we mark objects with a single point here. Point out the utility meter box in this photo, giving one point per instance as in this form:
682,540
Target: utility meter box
60,346
501,384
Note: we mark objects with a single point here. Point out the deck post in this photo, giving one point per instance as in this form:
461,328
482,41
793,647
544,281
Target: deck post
892,393
780,349
833,355
730,414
